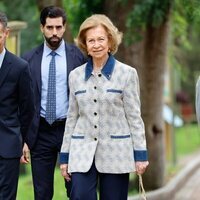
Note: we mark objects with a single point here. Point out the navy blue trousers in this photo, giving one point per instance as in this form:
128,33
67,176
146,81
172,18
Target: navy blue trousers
111,186
9,174
44,159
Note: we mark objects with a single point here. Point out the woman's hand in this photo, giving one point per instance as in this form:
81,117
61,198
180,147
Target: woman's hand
141,166
64,170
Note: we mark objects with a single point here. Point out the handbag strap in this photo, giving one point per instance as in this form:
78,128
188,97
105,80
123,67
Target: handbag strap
141,188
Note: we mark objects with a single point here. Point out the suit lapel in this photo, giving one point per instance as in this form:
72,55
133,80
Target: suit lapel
6,66
69,65
37,67
69,60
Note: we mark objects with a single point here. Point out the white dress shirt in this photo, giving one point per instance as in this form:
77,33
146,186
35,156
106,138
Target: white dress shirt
61,80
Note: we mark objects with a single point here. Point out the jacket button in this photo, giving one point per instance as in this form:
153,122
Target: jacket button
95,139
95,100
95,126
95,113
95,87
99,75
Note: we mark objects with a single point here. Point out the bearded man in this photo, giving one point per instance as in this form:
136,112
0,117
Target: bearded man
50,64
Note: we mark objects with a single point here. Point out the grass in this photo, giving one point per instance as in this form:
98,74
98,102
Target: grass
25,186
187,141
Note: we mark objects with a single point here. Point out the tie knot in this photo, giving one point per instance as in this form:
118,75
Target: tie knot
53,53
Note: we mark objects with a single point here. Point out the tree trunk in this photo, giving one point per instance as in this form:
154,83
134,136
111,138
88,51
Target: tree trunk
152,76
149,58
130,54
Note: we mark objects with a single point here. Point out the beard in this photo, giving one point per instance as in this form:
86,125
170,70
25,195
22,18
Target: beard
53,42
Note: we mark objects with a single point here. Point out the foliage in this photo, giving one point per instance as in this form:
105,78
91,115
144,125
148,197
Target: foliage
78,10
185,32
28,12
185,15
145,13
2,7
25,186
148,12
187,139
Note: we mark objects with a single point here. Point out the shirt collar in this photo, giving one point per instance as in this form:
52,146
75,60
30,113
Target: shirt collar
2,55
106,71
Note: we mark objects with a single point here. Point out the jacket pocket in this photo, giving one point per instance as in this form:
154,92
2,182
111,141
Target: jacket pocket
114,91
120,136
80,92
77,136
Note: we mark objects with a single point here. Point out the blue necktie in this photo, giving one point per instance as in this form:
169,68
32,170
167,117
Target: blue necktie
51,92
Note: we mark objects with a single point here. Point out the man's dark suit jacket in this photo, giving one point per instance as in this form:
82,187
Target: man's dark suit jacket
16,105
74,59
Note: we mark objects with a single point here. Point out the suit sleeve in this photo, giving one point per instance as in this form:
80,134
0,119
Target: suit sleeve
26,102
132,109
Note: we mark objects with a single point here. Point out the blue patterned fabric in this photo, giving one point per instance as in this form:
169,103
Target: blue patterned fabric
51,93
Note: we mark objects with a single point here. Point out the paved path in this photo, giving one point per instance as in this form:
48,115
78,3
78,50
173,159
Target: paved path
184,186
191,189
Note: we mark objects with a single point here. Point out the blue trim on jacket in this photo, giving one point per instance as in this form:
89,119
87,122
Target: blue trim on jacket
80,92
106,71
115,91
140,155
64,157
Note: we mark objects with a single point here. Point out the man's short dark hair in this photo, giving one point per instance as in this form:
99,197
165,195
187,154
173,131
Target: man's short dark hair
52,12
3,19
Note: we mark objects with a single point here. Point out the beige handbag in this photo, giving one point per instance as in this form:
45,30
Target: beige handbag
141,188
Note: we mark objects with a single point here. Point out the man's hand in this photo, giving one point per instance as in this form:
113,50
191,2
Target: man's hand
25,158
64,172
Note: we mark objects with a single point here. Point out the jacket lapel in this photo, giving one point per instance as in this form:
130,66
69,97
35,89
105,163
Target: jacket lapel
6,66
69,65
69,60
37,67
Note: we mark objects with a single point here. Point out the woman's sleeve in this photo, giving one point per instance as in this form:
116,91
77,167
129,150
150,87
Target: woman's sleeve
133,113
72,117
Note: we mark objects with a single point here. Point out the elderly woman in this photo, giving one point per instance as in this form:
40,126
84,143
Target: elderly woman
104,137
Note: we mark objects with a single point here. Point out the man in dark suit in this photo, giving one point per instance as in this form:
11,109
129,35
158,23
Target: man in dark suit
16,113
50,65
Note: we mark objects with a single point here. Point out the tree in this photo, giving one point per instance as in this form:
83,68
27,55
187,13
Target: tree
149,21
185,35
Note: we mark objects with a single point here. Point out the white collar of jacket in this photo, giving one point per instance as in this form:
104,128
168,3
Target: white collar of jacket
106,71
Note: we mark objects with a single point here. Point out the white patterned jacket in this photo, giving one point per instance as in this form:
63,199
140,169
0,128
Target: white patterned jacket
104,122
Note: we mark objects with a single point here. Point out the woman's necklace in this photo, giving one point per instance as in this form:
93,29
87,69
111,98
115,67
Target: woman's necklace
97,70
